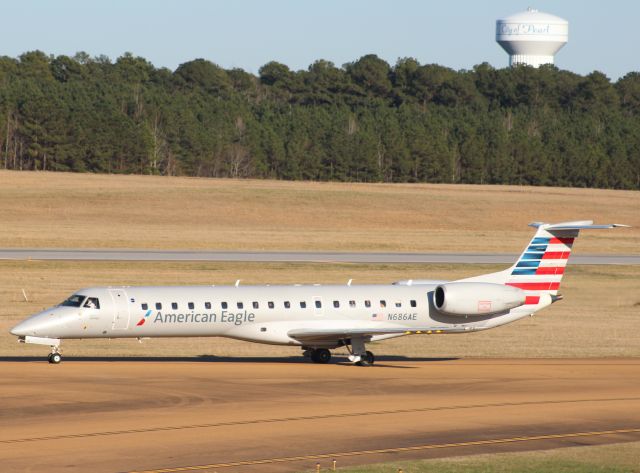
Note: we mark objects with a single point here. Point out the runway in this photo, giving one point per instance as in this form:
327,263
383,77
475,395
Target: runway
285,414
287,256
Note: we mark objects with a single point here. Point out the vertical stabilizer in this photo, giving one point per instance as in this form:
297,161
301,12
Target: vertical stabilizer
541,265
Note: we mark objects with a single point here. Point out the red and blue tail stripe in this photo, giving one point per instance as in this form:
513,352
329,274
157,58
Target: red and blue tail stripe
529,262
541,266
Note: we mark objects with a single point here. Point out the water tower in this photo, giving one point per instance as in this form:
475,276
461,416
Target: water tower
532,37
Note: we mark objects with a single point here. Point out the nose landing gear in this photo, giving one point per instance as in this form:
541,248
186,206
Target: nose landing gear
55,357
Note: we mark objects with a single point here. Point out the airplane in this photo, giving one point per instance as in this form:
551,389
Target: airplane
317,318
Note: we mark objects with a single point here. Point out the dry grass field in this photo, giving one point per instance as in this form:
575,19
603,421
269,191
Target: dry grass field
107,211
617,458
43,210
597,318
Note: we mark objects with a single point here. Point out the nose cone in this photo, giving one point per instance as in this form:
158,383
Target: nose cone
39,325
24,328
18,331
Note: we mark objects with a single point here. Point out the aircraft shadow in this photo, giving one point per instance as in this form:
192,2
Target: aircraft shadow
217,359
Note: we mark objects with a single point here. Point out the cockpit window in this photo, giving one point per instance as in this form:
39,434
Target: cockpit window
74,301
92,303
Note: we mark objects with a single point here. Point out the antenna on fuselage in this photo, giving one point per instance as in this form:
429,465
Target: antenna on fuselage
237,282
349,282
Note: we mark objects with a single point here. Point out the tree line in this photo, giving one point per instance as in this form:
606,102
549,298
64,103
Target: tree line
366,121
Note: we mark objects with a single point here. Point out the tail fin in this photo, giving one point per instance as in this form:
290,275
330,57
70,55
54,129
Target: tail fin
540,267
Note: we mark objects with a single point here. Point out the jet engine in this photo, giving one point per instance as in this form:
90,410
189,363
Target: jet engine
476,298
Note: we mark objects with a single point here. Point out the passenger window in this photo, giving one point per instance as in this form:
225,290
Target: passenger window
240,305
367,303
287,304
318,304
270,304
174,305
303,305
256,305
190,305
159,305
398,304
207,305
336,304
352,304
413,303
145,306
92,303
224,305
383,304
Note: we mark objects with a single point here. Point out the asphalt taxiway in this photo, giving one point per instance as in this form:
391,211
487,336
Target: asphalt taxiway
246,415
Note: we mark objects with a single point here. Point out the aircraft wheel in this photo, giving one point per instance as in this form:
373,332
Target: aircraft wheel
369,358
55,358
321,355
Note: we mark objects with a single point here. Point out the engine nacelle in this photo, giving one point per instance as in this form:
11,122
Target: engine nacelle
476,298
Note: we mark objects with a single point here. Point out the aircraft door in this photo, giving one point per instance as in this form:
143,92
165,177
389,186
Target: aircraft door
121,313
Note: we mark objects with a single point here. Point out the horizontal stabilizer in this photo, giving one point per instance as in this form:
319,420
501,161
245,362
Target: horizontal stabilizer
578,225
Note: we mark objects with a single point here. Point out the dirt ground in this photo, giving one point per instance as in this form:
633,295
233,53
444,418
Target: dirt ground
43,210
103,416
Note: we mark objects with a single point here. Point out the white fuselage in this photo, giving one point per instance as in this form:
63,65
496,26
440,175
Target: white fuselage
265,314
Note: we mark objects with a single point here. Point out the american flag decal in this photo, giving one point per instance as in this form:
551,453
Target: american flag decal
378,316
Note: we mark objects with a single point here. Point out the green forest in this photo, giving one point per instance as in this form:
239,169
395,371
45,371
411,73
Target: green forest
366,121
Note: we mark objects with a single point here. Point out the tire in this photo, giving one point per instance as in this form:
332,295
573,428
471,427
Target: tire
55,358
369,358
321,356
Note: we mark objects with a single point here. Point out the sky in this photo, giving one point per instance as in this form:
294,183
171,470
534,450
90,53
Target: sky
603,35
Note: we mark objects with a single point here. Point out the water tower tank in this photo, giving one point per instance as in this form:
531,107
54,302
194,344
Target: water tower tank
532,37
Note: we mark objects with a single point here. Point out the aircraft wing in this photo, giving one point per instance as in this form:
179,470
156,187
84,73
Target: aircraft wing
342,333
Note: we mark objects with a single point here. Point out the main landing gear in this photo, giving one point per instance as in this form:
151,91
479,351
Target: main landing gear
55,357
357,354
318,355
